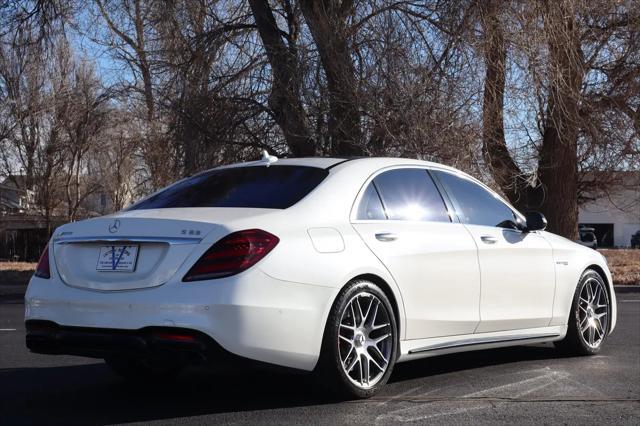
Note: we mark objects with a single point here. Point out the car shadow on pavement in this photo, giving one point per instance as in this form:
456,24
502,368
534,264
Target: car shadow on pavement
92,394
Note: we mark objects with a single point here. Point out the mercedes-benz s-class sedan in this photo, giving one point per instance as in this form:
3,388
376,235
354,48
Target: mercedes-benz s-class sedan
343,267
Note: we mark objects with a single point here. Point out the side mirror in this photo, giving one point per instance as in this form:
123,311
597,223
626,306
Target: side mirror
535,221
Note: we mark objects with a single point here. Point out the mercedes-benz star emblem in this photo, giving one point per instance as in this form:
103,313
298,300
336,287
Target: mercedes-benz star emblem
114,226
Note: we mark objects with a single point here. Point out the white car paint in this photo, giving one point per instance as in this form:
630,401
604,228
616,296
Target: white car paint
429,250
447,287
518,279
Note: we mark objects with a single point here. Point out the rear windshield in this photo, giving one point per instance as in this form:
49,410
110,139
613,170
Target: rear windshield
275,187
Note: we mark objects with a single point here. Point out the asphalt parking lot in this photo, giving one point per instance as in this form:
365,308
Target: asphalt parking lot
522,385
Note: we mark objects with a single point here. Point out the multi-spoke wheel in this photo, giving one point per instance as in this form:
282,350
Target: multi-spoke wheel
365,340
593,312
360,343
589,318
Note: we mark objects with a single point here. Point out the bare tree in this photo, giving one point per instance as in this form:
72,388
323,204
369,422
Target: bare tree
128,21
22,71
77,114
282,50
44,20
494,147
561,51
328,24
205,82
116,160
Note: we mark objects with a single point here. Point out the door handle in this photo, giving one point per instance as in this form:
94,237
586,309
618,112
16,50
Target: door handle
488,239
386,236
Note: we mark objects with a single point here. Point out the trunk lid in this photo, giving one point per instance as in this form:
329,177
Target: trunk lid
138,249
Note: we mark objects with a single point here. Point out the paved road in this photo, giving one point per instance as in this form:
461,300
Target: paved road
522,385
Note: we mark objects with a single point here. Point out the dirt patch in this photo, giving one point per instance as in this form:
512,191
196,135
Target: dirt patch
624,265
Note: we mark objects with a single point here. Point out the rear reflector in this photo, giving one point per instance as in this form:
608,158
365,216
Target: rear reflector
42,270
174,337
233,254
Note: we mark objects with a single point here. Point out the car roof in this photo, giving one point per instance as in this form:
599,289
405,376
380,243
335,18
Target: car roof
364,165
319,162
339,162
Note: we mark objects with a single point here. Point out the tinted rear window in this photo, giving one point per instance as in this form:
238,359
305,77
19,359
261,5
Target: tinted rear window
275,187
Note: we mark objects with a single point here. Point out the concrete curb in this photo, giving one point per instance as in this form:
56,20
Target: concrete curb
619,289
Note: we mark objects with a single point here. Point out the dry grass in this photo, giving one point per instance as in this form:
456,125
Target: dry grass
624,265
17,266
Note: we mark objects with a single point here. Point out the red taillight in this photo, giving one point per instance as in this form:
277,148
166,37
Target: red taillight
232,254
42,270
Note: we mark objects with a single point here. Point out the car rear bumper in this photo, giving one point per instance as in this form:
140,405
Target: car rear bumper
188,346
251,315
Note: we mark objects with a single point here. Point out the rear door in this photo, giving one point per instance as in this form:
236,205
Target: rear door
403,219
517,268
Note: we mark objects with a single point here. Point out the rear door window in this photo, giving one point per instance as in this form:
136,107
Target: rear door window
410,194
274,187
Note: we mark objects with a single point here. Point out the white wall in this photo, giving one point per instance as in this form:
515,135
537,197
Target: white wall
621,208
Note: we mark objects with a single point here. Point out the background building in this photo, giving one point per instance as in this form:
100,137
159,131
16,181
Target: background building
615,215
24,230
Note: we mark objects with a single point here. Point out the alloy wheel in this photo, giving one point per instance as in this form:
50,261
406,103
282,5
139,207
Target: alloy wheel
593,312
365,340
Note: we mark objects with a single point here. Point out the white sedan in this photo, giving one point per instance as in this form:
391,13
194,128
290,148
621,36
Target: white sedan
338,266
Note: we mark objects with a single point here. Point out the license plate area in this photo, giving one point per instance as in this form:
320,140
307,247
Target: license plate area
117,258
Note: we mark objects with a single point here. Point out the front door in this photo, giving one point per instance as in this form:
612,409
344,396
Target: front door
517,268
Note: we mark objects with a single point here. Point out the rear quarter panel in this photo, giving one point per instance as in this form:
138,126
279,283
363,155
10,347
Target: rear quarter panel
298,258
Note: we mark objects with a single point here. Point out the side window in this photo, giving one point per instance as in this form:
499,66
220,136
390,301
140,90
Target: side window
475,205
370,207
410,194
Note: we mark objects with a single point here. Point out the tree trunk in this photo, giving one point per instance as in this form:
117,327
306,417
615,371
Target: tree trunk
558,173
195,85
511,180
558,165
285,100
145,69
327,23
555,190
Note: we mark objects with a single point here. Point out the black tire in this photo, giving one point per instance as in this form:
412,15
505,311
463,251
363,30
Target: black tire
575,342
143,371
329,371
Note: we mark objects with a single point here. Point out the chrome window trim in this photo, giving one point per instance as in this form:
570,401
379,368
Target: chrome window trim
353,216
486,188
